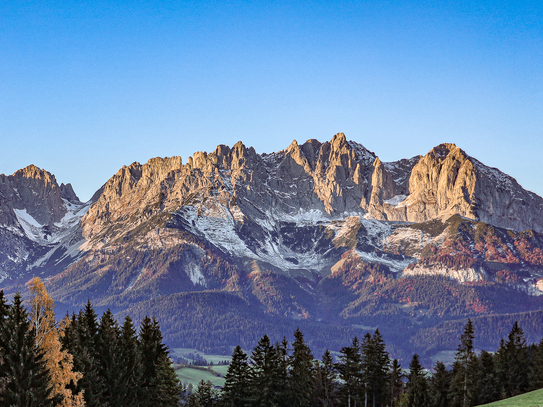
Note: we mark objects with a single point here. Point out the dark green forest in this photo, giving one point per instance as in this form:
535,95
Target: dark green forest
119,365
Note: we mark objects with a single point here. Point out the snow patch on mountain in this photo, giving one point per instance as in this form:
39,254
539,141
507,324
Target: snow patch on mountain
396,200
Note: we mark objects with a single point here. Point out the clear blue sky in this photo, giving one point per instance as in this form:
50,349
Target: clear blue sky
89,86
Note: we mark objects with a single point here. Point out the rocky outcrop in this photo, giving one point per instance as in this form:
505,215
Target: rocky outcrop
447,181
34,190
37,217
268,208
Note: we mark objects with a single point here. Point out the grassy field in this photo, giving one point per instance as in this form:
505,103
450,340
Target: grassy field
182,352
192,375
532,399
189,375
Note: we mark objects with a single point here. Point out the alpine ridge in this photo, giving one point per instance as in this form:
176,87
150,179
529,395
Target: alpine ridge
319,232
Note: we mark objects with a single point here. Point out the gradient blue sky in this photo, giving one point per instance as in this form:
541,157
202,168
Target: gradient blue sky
89,86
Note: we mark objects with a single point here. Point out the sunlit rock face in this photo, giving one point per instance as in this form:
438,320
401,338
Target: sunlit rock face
296,211
37,217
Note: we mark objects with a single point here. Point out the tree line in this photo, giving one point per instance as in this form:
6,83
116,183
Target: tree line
86,360
363,374
83,361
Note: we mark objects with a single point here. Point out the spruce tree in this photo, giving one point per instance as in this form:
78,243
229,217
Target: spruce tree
326,386
396,384
439,386
108,358
205,395
417,385
375,369
301,377
488,387
535,376
28,377
349,368
129,366
284,397
512,360
465,371
236,390
159,387
86,356
267,376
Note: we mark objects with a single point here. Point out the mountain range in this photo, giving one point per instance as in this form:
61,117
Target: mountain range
325,236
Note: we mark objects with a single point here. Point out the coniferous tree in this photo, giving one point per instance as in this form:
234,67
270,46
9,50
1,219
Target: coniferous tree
301,372
28,377
488,381
108,359
284,397
512,361
169,391
417,385
204,396
236,390
463,389
326,387
375,369
350,368
439,386
396,383
266,374
159,385
84,342
129,365
535,377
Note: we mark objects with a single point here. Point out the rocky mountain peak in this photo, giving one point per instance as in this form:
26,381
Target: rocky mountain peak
35,191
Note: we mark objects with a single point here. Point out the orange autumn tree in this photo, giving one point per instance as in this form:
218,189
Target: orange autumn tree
59,362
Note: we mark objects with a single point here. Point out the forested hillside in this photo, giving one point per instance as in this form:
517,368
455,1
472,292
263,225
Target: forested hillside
94,361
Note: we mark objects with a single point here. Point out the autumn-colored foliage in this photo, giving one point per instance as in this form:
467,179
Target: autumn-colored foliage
58,361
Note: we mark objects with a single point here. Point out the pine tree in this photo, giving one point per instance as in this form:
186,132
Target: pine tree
375,369
396,383
59,362
205,395
512,360
129,366
169,391
536,367
267,377
349,368
301,372
29,381
236,390
439,386
488,381
326,387
465,371
159,387
108,359
83,342
417,385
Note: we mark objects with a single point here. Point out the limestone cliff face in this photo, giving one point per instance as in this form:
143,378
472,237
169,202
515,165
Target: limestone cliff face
33,218
333,178
262,207
447,181
36,191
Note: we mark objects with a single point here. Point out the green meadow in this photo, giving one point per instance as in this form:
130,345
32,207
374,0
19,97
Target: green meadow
191,375
532,399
